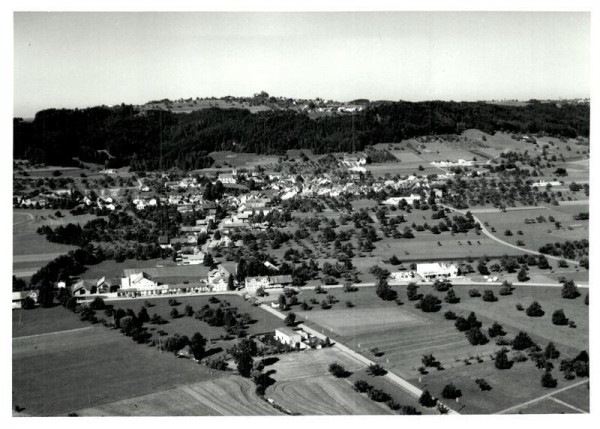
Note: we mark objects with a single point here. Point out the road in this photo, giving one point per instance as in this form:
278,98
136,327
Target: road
400,382
493,237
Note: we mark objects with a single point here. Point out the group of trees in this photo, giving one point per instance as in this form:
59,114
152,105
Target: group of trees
159,139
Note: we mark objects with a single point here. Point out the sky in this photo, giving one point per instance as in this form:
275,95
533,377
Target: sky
84,59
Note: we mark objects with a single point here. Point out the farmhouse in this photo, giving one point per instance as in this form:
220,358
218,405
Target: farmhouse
279,281
19,297
393,201
436,269
254,283
218,279
288,336
138,280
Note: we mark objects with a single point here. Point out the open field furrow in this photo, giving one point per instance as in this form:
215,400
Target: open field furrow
431,342
393,339
424,348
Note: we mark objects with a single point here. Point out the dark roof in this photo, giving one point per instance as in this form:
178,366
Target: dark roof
163,239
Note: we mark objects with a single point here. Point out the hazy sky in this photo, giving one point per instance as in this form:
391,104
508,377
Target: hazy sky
85,59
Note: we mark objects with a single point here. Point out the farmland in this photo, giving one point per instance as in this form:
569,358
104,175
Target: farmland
225,396
59,373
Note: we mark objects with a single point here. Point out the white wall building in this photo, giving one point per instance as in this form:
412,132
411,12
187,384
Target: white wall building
288,336
436,270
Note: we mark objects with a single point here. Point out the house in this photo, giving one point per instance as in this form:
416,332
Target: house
83,288
394,201
436,269
164,242
288,336
19,297
228,178
192,259
218,279
254,283
137,279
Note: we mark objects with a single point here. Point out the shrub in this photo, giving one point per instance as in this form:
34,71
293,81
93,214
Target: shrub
559,318
519,357
519,306
173,302
290,319
505,289
461,324
378,395
451,392
534,310
97,304
174,313
451,297
411,292
476,337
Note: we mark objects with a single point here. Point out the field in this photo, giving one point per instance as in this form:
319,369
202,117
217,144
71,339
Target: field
226,396
59,373
263,321
536,234
43,321
303,385
401,345
30,250
241,160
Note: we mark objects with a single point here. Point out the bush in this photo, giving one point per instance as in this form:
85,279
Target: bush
97,304
451,297
505,289
427,400
476,337
519,306
28,304
290,319
461,324
488,296
174,313
451,392
173,302
474,293
534,310
559,318
378,395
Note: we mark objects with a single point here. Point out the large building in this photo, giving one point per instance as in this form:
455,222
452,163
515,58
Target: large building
288,336
437,270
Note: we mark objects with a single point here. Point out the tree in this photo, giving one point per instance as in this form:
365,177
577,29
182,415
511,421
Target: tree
559,318
376,370
570,290
496,330
476,337
189,310
483,384
427,400
362,386
522,341
338,370
430,303
548,381
28,303
522,275
97,304
208,260
197,345
534,310
501,360
174,313
462,324
451,297
474,293
505,289
550,352
384,291
450,391
488,296
230,283
243,353
411,292
290,319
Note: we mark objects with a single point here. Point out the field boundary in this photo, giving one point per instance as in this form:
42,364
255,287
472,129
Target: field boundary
85,328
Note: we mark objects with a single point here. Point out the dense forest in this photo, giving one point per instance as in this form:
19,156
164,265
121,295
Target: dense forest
121,135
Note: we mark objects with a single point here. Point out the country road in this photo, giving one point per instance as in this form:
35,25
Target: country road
493,237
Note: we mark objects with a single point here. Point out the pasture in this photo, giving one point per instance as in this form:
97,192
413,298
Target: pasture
241,160
225,396
59,373
43,321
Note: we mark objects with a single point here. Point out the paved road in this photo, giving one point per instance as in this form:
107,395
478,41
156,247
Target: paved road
402,383
493,237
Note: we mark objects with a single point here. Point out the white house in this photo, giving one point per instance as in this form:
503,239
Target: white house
218,279
139,280
436,269
288,336
192,259
393,201
254,283
19,297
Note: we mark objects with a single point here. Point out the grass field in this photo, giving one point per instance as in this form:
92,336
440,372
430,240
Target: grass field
304,385
226,396
44,320
402,346
242,160
59,373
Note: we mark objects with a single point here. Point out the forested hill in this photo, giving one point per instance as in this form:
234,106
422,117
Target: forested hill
55,136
